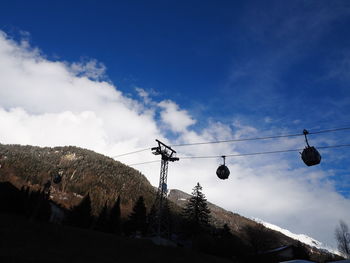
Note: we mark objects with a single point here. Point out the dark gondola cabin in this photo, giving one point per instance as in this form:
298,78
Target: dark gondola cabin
310,155
57,179
223,172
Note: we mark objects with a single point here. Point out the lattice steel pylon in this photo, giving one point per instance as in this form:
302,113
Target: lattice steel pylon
167,154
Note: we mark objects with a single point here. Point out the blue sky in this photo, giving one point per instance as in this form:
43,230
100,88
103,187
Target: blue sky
248,57
112,76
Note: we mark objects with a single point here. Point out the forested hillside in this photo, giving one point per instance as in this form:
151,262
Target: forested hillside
82,172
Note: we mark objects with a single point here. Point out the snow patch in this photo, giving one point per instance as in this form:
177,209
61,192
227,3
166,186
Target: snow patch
300,237
70,157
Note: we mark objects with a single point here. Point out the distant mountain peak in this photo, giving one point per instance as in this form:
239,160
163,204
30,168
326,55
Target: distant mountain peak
300,237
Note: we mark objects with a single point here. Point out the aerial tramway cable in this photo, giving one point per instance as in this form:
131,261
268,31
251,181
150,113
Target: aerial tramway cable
128,153
261,138
245,154
309,154
239,140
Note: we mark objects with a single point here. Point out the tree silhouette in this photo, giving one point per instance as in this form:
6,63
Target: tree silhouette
40,208
80,215
44,211
260,237
138,218
196,211
342,236
225,231
102,222
115,218
152,219
229,245
167,220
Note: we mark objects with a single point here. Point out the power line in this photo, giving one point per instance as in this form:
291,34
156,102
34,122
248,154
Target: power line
239,140
236,140
261,153
138,151
239,155
259,138
249,154
330,130
134,164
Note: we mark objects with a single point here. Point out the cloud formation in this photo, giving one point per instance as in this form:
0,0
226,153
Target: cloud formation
176,119
51,103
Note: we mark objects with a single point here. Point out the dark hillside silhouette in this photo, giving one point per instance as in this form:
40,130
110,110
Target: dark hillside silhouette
11,199
32,204
39,242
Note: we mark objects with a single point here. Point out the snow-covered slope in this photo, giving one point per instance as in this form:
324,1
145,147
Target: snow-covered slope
300,237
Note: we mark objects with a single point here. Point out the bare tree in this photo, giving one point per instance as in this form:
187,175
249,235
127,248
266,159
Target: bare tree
342,236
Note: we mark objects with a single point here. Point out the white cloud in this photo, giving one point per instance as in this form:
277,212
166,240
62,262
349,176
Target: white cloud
50,103
143,94
51,129
91,69
178,120
37,94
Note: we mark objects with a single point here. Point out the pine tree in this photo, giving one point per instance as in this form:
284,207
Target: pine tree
80,215
225,231
115,218
40,208
45,208
153,217
138,217
102,222
196,210
167,220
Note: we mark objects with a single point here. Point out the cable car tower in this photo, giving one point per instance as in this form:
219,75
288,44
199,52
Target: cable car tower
167,154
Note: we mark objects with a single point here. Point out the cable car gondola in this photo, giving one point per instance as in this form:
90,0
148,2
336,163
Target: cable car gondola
57,179
310,155
223,172
56,176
